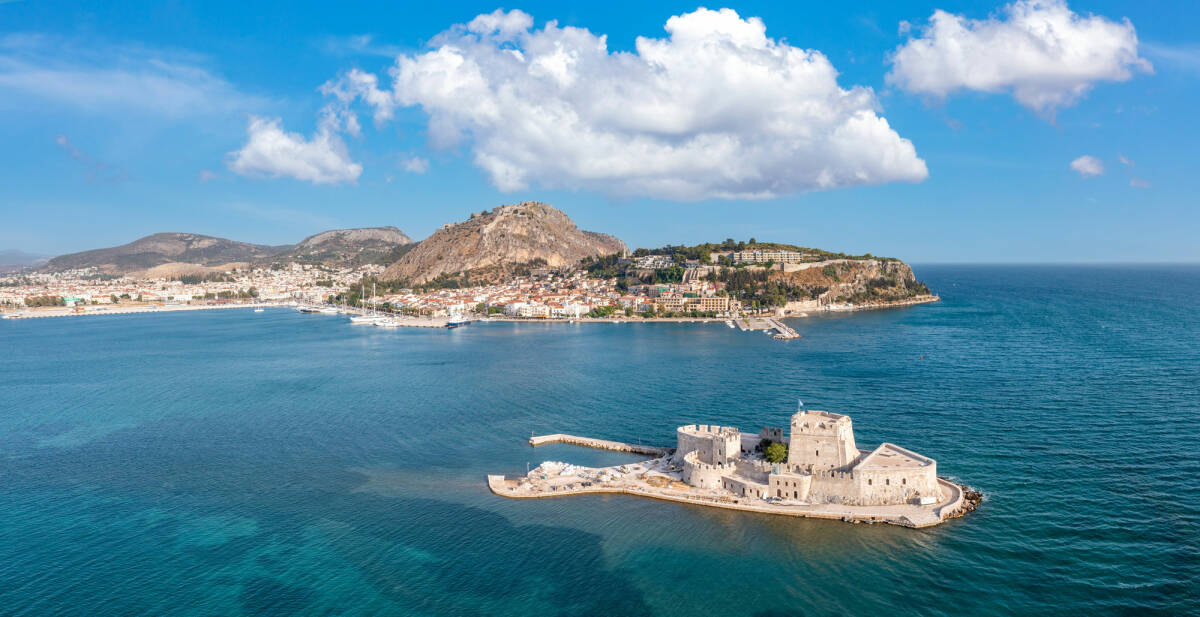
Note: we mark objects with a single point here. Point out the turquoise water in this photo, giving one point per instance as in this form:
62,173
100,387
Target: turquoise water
234,463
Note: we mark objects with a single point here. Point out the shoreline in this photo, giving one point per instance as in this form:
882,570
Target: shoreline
89,310
96,310
799,315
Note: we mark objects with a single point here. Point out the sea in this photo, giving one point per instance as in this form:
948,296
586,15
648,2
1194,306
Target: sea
227,462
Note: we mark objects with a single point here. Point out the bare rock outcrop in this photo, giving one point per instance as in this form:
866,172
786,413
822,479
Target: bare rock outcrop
496,243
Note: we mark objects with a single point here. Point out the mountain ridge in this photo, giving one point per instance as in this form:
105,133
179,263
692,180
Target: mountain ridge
184,250
492,244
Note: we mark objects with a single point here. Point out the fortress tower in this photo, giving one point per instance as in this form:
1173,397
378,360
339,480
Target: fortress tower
821,440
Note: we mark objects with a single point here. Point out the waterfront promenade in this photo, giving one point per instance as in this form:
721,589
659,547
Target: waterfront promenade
129,309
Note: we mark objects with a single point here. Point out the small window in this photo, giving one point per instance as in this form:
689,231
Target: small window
888,482
903,480
868,482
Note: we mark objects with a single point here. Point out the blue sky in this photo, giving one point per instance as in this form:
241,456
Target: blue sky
956,143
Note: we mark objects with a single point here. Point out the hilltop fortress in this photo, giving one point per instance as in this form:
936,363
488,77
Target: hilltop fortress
823,464
824,475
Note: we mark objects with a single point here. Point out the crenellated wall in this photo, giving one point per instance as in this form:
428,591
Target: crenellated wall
715,444
703,475
821,440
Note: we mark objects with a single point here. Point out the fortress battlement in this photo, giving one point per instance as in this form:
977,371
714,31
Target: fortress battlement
824,475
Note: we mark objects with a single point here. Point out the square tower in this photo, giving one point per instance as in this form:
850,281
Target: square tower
821,440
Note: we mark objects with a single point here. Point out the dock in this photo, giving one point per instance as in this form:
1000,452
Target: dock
782,331
599,444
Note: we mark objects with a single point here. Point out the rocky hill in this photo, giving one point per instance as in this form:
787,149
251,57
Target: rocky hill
862,282
164,248
492,244
171,254
349,247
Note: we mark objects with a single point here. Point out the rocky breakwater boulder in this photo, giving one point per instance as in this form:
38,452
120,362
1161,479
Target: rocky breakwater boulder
491,245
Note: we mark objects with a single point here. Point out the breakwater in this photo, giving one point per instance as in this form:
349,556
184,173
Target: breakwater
600,444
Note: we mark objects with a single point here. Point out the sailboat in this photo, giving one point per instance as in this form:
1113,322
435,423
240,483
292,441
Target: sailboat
365,320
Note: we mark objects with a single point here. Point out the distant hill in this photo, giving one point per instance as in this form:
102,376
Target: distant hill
350,247
15,260
164,248
492,244
171,254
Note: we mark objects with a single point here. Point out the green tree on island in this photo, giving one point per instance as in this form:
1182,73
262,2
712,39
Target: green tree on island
776,452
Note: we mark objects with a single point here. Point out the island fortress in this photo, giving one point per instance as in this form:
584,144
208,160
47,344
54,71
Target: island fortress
823,464
816,471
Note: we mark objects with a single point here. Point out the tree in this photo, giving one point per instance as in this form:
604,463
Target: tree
777,452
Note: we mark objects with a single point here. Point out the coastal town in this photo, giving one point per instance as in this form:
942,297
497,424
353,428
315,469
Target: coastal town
664,288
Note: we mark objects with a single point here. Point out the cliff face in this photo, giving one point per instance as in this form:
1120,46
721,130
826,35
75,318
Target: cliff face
348,247
164,248
856,281
492,244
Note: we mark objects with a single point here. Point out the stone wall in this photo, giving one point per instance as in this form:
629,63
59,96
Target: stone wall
790,486
821,440
703,475
742,487
895,486
702,438
833,487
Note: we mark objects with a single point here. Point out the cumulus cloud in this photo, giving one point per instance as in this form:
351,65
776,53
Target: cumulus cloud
715,110
415,165
1087,166
1046,55
272,152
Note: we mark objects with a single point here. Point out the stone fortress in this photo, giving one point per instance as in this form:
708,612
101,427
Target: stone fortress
823,465
824,475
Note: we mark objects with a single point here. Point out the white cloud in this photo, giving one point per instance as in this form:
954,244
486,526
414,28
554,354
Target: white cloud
1181,57
715,110
206,175
1139,183
1087,166
415,165
36,69
1046,55
272,152
1125,161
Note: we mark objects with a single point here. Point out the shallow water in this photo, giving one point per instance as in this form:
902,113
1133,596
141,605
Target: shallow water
234,463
